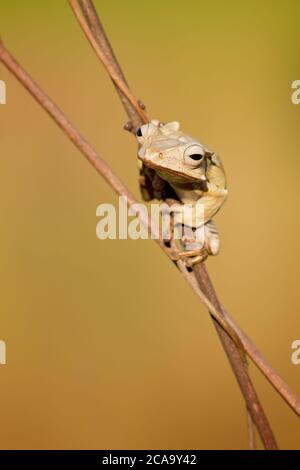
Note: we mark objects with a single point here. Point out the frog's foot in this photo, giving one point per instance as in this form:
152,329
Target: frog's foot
194,249
189,256
197,250
192,257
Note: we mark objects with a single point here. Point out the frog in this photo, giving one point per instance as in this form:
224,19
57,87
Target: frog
195,175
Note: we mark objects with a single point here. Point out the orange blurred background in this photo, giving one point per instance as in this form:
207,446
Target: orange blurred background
107,347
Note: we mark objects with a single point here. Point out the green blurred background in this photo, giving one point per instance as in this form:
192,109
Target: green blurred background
107,347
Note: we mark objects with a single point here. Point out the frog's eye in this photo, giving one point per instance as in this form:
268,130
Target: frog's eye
193,155
196,156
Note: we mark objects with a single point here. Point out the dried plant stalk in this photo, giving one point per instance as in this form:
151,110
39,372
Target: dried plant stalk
101,166
95,33
98,33
204,286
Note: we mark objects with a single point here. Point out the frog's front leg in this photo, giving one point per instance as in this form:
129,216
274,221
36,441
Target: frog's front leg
212,200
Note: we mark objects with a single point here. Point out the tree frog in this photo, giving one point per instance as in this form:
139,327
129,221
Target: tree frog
193,173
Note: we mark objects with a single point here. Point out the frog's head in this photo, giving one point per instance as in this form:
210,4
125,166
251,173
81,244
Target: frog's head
174,155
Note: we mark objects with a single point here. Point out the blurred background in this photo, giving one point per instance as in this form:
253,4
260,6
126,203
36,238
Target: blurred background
107,347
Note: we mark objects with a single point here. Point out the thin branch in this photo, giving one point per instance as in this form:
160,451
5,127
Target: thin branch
239,366
99,34
103,169
96,162
118,81
254,354
280,386
259,360
251,431
262,424
252,402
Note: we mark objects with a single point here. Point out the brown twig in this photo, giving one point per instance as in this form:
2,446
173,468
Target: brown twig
99,34
108,59
251,431
253,405
102,168
280,386
99,164
118,81
258,359
250,348
96,29
238,365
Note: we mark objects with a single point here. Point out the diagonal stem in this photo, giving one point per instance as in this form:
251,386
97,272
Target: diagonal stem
240,370
251,431
102,168
99,34
118,81
97,30
262,364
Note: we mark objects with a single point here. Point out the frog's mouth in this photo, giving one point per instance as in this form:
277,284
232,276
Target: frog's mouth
167,173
